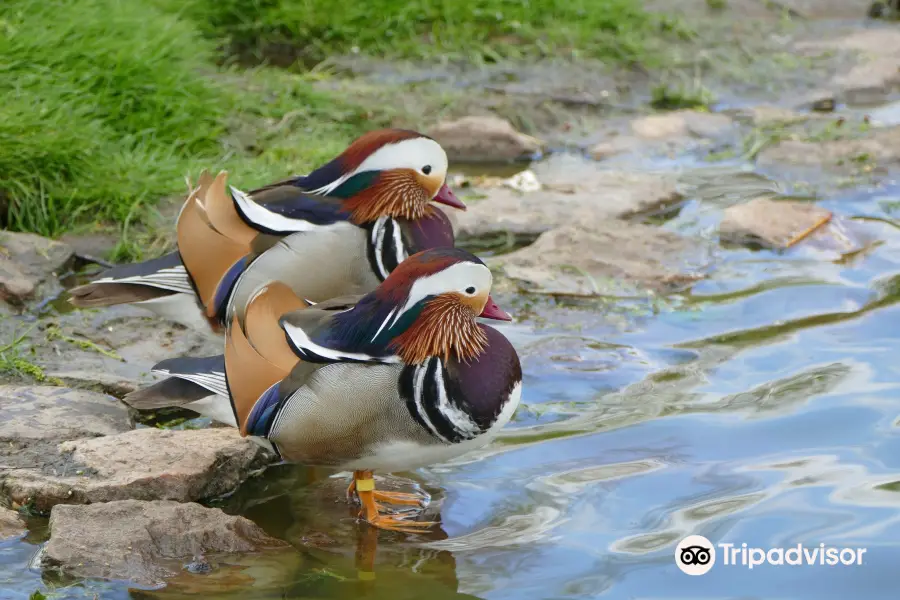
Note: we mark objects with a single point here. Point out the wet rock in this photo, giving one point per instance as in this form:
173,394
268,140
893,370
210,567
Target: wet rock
770,223
877,73
682,123
10,524
767,115
34,420
880,147
145,464
608,258
145,542
27,260
823,9
131,345
574,190
484,139
666,133
91,245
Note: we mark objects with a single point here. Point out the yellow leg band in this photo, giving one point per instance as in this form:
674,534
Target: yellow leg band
365,575
365,485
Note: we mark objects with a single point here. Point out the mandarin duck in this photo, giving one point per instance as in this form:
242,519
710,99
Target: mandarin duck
394,380
337,231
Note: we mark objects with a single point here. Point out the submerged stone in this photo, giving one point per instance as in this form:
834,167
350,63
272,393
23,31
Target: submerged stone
770,223
11,525
145,542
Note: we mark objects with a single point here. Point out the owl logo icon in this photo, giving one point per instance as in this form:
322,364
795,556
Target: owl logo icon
695,555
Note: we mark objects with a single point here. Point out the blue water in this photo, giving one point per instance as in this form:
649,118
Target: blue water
761,407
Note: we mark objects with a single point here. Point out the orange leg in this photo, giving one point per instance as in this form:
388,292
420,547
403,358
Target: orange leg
396,498
365,490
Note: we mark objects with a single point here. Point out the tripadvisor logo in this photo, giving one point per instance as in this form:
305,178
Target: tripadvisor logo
696,555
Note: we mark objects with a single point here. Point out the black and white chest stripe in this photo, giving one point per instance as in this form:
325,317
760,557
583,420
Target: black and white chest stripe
433,406
385,247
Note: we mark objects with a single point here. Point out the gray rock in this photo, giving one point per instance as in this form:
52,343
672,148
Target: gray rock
823,9
145,464
770,223
10,524
608,258
27,260
767,115
484,139
881,147
59,414
666,133
876,74
145,542
137,344
575,190
682,123
34,420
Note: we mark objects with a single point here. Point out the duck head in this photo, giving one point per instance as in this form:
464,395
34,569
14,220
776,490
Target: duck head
387,172
426,307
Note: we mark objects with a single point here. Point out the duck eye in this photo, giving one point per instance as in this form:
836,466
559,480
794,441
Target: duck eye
426,169
470,290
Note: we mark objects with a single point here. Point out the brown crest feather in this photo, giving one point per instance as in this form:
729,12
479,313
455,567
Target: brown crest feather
397,193
445,327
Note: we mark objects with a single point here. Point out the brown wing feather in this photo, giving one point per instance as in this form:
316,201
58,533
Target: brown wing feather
262,327
206,253
222,214
249,373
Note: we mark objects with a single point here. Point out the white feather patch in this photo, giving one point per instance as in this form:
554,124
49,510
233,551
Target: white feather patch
268,219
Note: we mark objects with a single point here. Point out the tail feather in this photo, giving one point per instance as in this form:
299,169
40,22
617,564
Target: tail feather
168,392
137,282
93,295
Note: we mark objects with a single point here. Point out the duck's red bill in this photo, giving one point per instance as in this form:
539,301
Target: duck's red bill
492,311
446,196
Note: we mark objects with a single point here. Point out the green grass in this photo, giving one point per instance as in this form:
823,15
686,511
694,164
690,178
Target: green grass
106,105
284,31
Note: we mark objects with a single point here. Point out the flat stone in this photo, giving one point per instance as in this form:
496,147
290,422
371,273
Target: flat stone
574,190
681,123
145,542
35,419
134,344
484,139
824,9
11,525
145,464
770,223
59,414
767,115
91,245
880,147
607,258
27,260
878,71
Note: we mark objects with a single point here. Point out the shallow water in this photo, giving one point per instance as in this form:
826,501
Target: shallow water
760,408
